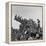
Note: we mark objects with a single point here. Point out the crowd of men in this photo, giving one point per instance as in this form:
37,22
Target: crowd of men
28,30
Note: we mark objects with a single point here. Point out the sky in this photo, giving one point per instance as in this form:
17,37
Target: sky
27,12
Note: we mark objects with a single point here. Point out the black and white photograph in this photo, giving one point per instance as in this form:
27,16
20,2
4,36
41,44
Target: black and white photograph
26,22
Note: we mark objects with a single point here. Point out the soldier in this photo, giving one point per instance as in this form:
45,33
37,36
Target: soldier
38,23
